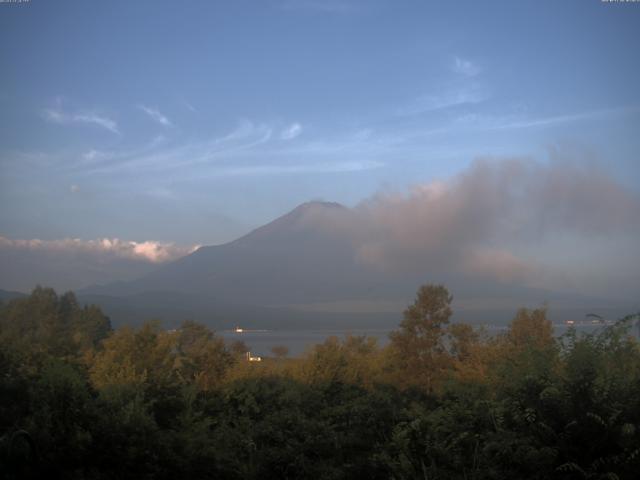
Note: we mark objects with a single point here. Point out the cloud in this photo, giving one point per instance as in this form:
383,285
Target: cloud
148,251
275,169
448,98
73,263
60,117
242,140
156,116
250,148
465,67
92,155
247,130
519,121
486,221
495,263
74,188
558,119
291,132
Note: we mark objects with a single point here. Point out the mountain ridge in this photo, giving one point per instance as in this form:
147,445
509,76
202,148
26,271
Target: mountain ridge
300,259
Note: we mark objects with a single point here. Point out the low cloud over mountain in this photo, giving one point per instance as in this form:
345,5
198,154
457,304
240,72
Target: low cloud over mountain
511,220
500,223
73,263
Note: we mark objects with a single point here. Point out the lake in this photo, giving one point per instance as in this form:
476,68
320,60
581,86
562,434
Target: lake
260,342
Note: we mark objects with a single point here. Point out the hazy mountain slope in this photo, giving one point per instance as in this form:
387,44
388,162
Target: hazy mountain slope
287,260
300,268
64,269
6,295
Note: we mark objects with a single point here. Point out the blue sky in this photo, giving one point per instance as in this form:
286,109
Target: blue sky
192,122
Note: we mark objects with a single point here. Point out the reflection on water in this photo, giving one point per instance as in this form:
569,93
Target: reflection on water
260,342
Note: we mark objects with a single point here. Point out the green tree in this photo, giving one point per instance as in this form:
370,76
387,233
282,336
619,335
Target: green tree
144,356
353,360
45,324
202,356
418,346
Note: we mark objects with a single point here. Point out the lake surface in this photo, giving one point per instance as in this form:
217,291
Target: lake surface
298,341
260,342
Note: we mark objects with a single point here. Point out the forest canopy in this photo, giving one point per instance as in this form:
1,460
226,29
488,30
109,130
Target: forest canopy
79,399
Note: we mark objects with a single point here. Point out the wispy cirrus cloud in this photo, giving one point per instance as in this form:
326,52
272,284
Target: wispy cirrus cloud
156,115
60,117
465,67
291,132
158,156
251,148
257,148
447,98
155,157
277,169
520,121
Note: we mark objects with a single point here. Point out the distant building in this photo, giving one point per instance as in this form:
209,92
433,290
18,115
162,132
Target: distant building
253,359
239,330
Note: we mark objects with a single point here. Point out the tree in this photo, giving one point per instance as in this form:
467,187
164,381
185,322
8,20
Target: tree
238,348
143,356
531,329
203,357
462,340
280,351
45,324
418,346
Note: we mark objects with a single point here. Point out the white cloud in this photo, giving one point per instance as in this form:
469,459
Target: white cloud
499,219
98,120
326,167
156,116
513,122
91,155
249,149
469,95
242,140
56,115
148,251
291,132
74,188
246,130
465,67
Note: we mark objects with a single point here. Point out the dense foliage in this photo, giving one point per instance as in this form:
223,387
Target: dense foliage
441,401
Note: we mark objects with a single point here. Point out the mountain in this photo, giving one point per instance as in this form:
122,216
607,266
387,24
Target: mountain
303,269
6,295
277,274
290,260
64,268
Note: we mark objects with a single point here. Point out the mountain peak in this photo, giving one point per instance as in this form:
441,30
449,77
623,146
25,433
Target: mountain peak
315,205
289,221
320,204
